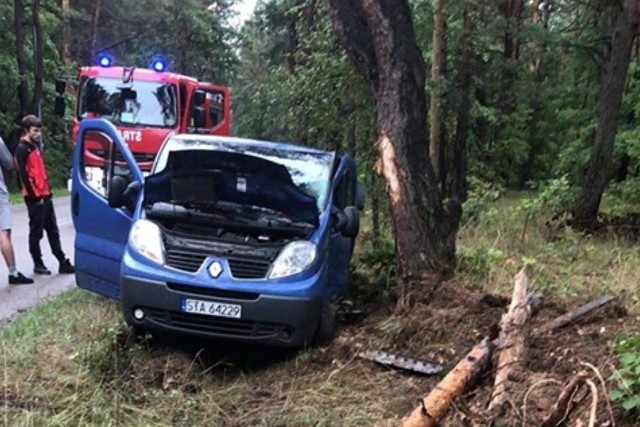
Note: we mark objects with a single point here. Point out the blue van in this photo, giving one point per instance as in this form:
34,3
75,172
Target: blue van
225,237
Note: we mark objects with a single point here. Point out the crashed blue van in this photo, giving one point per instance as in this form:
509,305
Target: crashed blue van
225,238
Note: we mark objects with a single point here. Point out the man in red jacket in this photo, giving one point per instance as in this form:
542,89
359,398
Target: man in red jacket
37,196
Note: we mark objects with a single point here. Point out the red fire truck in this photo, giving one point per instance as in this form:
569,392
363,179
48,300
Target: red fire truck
147,106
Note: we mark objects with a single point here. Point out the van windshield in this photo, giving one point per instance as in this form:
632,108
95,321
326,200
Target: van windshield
139,103
310,170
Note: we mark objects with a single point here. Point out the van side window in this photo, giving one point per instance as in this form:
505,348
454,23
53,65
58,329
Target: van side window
101,161
216,108
210,114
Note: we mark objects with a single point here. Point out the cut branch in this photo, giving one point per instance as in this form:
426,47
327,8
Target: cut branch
436,404
574,315
512,340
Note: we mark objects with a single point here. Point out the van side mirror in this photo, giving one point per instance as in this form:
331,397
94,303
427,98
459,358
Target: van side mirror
199,97
117,187
122,194
348,221
352,226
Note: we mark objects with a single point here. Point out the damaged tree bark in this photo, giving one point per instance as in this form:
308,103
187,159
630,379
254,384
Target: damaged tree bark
380,39
514,335
436,404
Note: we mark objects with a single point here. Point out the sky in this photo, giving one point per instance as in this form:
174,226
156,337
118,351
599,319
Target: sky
245,8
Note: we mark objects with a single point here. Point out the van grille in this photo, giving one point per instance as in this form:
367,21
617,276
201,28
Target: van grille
240,268
213,325
185,260
248,269
216,293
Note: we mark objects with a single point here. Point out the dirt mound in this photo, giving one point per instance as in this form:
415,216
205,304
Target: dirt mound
447,327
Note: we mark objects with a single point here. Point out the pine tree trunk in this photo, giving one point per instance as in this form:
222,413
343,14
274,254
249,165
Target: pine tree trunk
23,86
351,130
66,35
95,19
437,138
177,40
38,58
291,42
458,187
512,12
309,13
375,211
607,111
541,11
380,39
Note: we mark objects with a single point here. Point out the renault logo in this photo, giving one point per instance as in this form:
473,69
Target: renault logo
215,269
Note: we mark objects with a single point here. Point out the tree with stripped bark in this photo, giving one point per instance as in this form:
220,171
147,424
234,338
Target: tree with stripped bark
379,37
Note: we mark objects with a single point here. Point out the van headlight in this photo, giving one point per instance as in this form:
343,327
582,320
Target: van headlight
294,258
146,239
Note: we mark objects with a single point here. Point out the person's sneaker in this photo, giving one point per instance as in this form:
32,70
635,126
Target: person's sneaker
66,267
41,269
20,279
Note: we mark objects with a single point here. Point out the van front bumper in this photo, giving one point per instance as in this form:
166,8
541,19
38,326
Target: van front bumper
265,319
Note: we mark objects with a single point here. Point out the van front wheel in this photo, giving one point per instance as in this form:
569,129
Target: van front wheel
326,328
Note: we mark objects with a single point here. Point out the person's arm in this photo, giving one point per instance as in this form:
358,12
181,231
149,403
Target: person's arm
22,153
6,160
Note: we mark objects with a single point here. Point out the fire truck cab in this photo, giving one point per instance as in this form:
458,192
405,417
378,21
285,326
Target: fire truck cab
147,106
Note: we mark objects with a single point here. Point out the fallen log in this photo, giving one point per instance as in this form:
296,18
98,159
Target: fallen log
512,341
574,315
436,404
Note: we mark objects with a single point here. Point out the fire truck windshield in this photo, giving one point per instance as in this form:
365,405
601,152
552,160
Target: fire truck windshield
140,103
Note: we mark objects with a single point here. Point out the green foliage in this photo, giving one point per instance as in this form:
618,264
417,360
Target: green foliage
373,272
299,91
481,193
627,376
621,199
553,196
480,262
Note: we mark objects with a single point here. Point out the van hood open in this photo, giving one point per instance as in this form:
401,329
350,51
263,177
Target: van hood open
209,177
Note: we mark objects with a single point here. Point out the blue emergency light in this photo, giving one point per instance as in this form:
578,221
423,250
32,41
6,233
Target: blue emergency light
105,60
158,64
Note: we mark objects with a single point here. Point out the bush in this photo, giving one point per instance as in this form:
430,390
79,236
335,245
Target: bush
481,193
374,272
627,349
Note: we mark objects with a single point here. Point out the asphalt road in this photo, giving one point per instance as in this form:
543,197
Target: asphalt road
16,299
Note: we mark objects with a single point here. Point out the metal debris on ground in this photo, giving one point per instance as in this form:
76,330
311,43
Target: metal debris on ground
415,365
348,314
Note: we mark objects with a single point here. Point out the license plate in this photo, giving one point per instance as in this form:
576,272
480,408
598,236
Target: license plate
212,308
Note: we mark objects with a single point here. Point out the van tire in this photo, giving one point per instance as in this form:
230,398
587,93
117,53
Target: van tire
326,328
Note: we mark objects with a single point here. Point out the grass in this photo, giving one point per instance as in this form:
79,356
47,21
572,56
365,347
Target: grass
563,263
71,361
17,197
